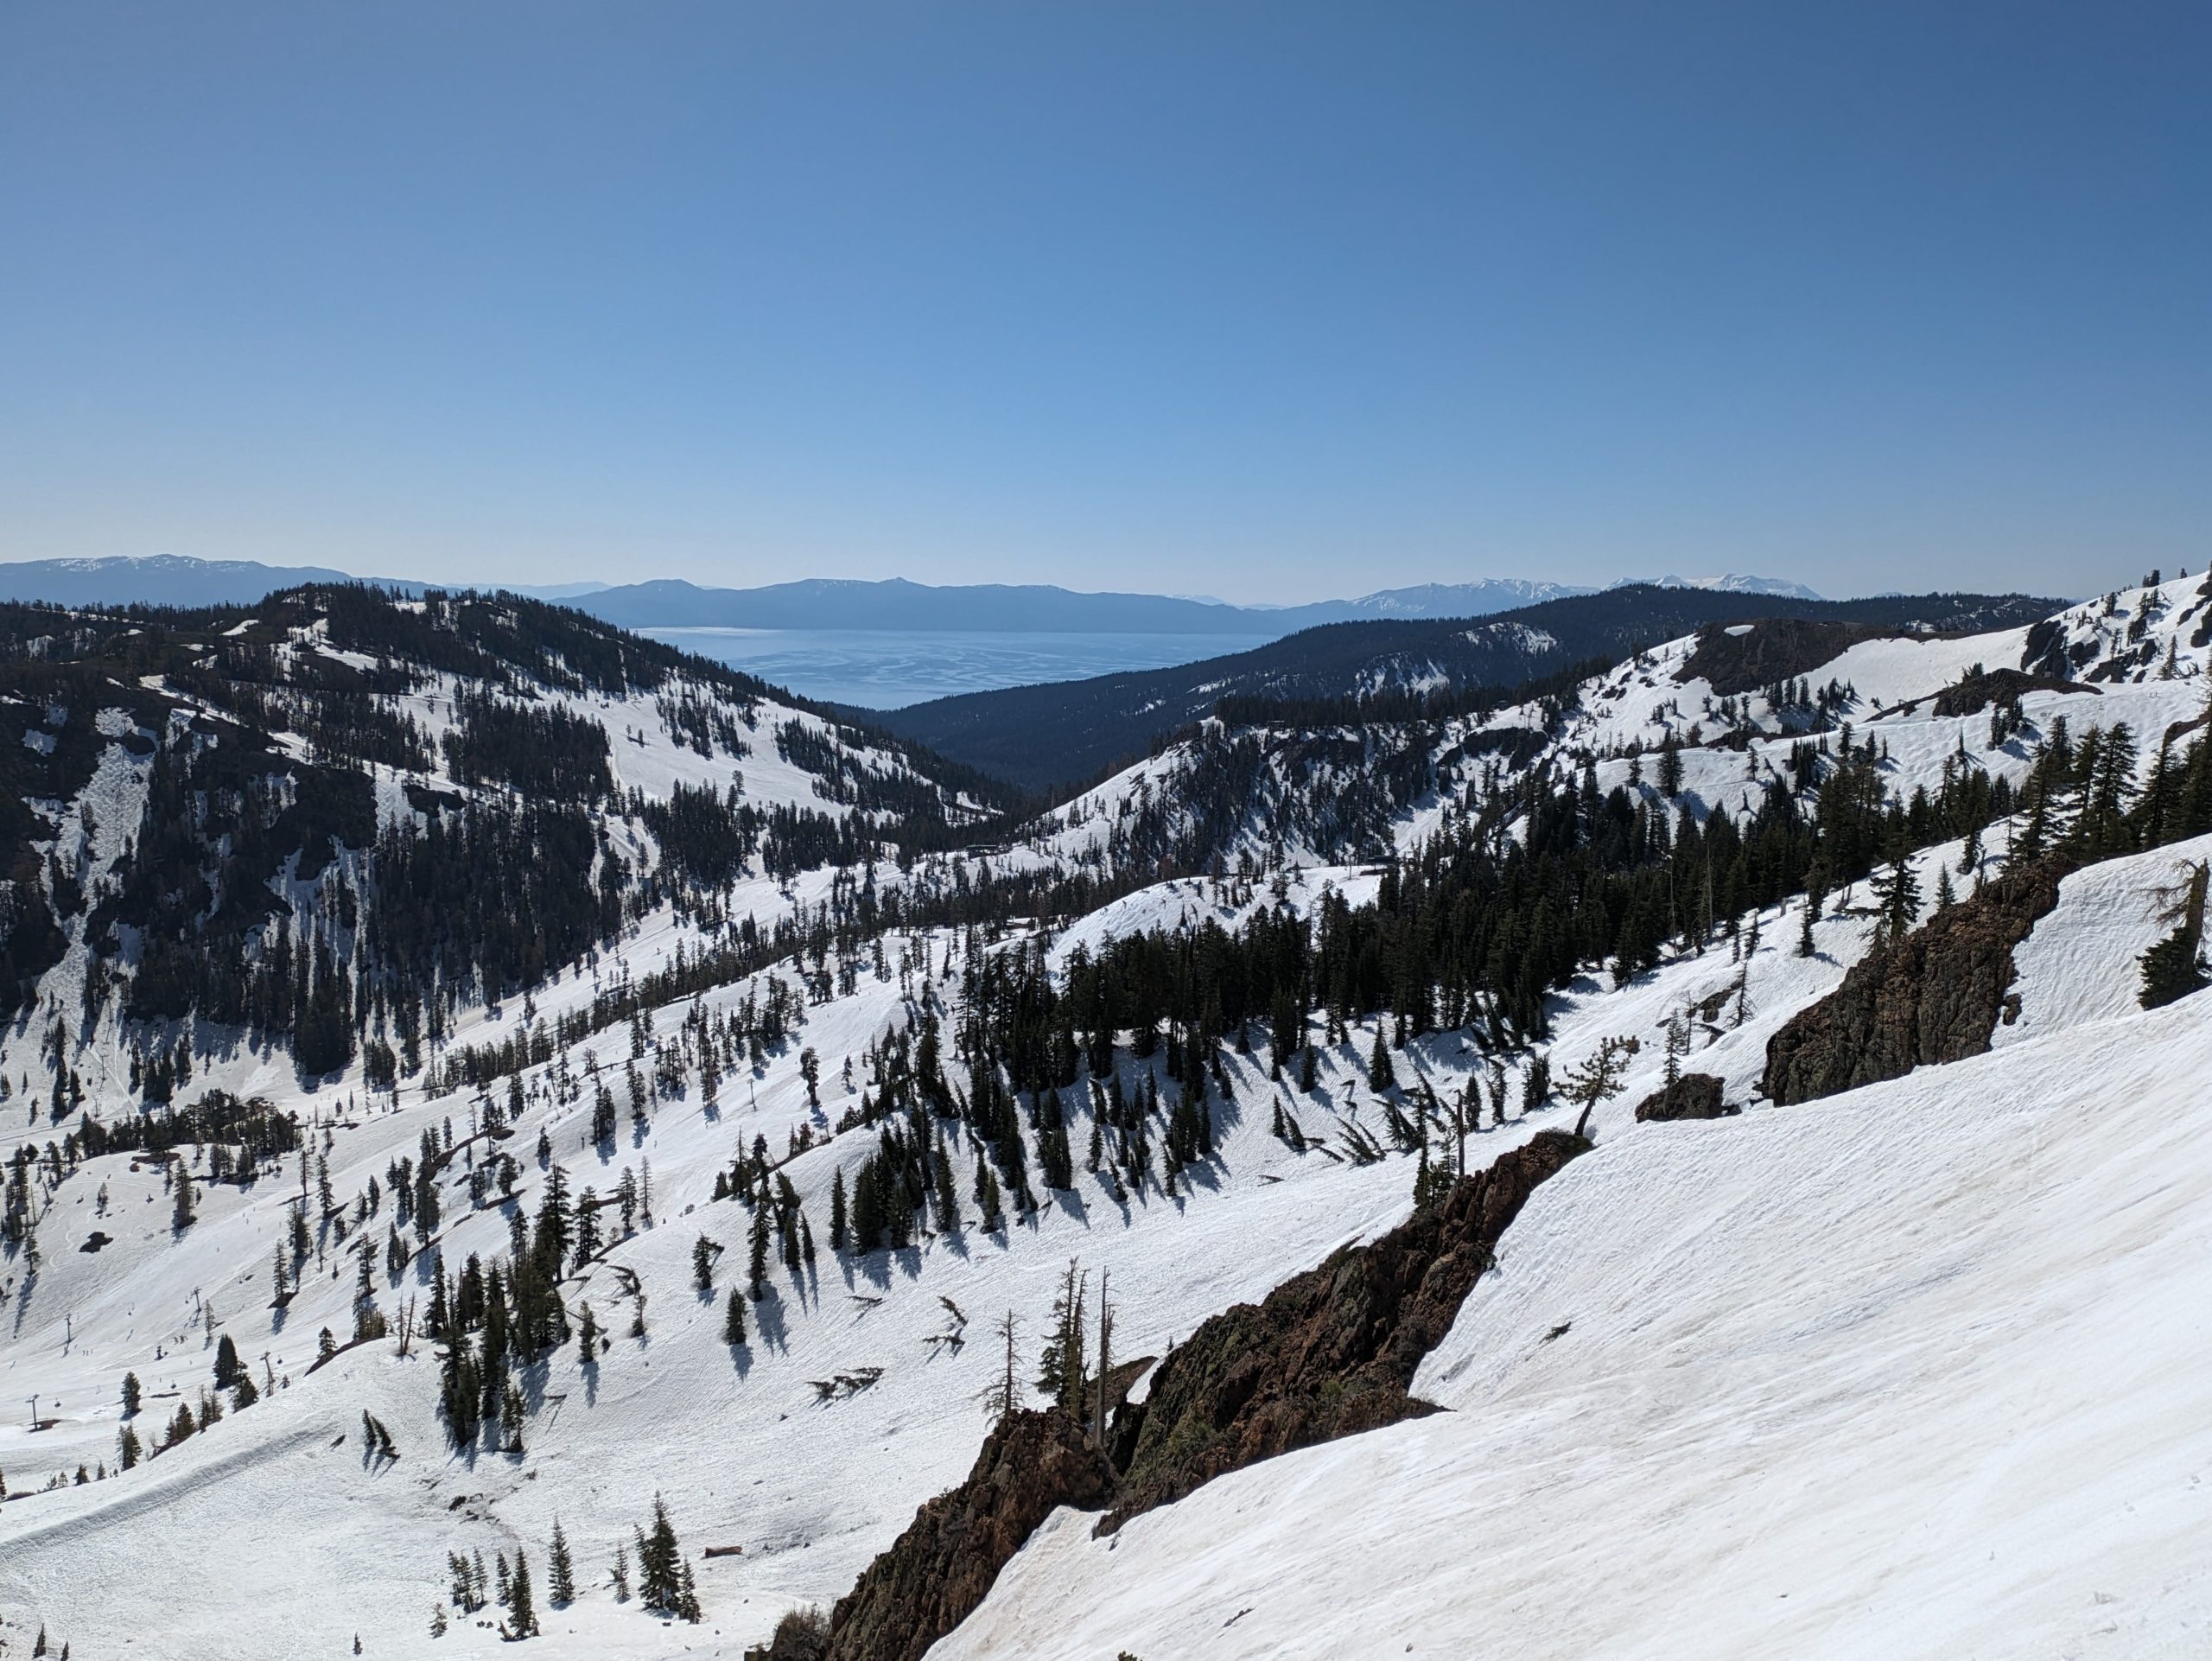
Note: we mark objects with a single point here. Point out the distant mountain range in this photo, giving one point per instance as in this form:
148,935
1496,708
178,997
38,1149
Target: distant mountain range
181,580
822,602
830,603
1050,738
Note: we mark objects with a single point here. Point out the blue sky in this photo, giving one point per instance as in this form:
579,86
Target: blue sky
1271,301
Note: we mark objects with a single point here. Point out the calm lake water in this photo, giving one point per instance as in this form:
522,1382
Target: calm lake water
881,670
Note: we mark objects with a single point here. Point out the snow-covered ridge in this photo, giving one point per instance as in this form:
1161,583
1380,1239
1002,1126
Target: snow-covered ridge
1731,747
1681,1455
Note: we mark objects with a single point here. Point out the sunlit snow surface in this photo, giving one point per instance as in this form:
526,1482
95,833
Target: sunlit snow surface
1916,1371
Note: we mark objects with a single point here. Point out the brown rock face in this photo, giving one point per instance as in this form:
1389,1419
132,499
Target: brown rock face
1693,1096
1328,1353
940,1569
1933,997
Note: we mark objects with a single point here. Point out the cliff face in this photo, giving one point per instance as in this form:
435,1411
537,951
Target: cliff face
1933,997
938,1570
1330,1353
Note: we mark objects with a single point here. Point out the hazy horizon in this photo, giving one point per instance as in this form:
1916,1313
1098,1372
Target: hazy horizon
1279,303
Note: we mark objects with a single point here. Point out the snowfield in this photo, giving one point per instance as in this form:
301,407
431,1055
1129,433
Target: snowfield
1916,1371
739,1443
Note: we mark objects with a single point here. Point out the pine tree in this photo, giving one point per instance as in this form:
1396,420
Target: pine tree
1002,1396
988,1197
733,1318
1896,892
687,1598
560,1570
703,1265
228,1370
2173,968
757,1268
587,1336
130,1395
837,1210
182,1216
1432,1182
521,1616
946,1197
659,1566
1060,1368
1380,1074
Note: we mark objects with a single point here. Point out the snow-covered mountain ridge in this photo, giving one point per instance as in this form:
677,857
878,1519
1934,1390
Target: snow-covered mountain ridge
1749,1311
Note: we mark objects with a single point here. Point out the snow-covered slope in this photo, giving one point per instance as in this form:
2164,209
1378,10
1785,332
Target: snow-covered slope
1768,1321
1916,1371
1267,794
747,1452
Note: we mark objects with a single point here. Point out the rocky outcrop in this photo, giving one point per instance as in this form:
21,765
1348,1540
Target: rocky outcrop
1972,693
1742,657
1329,1353
1936,996
936,1572
1693,1096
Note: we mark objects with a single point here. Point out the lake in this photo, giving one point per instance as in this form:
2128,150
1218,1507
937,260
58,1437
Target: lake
886,670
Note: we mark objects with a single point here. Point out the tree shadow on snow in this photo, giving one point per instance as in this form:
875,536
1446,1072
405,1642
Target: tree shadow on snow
1069,1202
768,1323
875,1267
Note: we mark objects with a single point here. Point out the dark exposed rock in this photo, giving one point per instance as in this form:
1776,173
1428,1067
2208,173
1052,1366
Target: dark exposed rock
1972,693
1936,996
1328,1353
1774,649
936,1572
2044,649
1693,1096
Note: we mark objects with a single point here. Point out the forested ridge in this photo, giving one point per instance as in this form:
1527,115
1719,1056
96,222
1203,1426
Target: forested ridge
1050,737
268,883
